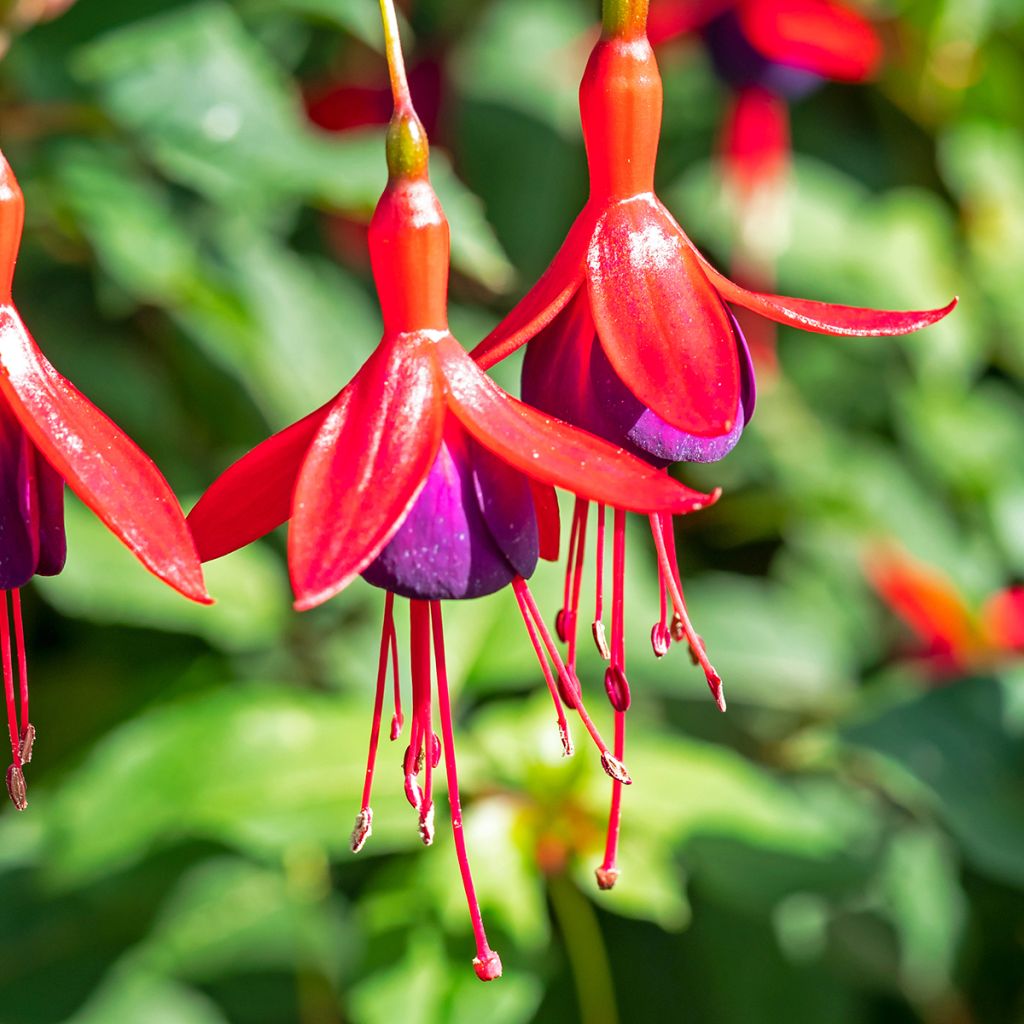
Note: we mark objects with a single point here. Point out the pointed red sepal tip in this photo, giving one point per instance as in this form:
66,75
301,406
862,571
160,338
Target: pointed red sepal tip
363,829
28,741
487,966
606,878
601,640
16,787
615,769
661,639
427,824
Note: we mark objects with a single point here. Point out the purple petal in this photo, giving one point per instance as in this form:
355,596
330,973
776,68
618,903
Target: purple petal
53,547
447,547
506,502
742,66
19,542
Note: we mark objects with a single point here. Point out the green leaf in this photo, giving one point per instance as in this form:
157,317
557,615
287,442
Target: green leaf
131,995
104,583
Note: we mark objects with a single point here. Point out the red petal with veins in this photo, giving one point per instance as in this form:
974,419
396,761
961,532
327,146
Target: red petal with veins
661,324
114,477
549,523
546,299
552,452
254,495
824,317
365,468
815,35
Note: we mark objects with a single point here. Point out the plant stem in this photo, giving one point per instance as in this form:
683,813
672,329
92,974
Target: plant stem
396,62
624,19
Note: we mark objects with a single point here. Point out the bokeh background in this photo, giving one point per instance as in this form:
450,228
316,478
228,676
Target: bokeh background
846,845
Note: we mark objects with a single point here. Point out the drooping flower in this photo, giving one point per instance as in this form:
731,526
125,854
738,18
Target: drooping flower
629,333
951,636
427,479
49,434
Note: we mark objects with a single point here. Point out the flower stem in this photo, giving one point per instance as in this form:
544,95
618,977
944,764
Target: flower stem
584,945
396,62
624,19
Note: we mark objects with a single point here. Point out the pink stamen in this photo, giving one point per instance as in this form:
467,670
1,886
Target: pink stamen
397,719
598,625
15,776
612,765
28,730
608,873
670,573
487,963
364,819
531,631
661,635
582,511
563,620
419,640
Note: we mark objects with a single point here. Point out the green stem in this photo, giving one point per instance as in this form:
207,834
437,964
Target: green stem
396,62
624,19
584,945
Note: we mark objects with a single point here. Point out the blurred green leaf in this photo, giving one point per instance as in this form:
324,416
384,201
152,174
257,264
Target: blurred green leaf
104,583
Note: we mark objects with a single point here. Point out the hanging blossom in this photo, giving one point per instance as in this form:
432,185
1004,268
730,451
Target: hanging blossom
770,52
49,434
630,334
432,483
951,636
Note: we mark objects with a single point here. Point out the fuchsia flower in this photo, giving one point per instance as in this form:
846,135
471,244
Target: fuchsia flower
950,636
426,478
49,434
630,335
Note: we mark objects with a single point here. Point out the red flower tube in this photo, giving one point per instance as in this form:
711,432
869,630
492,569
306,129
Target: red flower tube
430,481
49,434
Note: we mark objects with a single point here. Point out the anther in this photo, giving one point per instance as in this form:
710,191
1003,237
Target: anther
679,631
397,721
427,824
617,687
601,639
615,768
661,639
562,621
488,966
606,878
16,787
363,829
28,740
563,734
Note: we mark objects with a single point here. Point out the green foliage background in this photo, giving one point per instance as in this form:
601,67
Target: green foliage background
846,845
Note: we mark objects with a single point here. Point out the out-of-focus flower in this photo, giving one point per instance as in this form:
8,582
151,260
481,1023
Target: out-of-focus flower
430,481
49,434
950,636
629,333
23,14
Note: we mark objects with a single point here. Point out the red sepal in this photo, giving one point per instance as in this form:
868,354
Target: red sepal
825,317
549,522
254,495
670,19
365,468
546,299
755,139
111,475
659,321
819,36
552,452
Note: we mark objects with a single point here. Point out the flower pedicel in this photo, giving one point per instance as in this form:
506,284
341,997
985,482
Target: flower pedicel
49,434
426,478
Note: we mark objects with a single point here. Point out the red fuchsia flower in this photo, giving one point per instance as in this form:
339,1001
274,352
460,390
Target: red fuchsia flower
950,636
428,480
630,334
49,434
770,52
